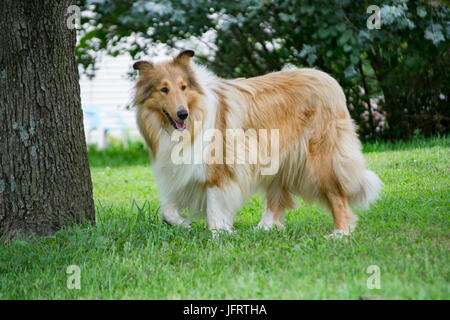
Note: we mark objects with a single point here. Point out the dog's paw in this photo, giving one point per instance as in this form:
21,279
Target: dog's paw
220,232
177,221
338,234
269,226
185,224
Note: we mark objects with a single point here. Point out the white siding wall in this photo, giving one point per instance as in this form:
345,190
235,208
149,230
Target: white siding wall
111,90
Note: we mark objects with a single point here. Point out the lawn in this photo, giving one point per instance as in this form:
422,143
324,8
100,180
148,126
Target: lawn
131,254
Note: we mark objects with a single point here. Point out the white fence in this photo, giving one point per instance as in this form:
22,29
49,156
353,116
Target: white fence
119,124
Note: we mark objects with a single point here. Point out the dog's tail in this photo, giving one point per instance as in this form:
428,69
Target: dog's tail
369,189
361,186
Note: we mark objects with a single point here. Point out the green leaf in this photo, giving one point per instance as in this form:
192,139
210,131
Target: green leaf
354,58
421,12
345,37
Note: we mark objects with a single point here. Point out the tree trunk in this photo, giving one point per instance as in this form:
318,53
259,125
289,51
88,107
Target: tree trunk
45,182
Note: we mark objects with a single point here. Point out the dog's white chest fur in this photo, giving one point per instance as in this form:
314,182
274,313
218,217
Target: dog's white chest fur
183,185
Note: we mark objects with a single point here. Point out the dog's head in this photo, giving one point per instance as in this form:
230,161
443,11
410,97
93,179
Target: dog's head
168,88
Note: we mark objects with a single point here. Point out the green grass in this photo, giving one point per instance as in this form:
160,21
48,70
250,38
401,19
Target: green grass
131,254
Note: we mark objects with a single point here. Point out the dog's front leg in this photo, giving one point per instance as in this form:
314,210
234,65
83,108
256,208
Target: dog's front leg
222,205
171,215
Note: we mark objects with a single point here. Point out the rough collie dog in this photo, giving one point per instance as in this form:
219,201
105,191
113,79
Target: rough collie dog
317,152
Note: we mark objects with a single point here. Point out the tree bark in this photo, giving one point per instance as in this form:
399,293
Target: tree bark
45,182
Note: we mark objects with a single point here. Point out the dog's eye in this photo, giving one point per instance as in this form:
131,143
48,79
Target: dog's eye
165,90
183,87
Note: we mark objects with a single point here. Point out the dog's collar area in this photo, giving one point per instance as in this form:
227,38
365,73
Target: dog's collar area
178,125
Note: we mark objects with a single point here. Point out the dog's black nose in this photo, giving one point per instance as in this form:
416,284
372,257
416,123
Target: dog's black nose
182,114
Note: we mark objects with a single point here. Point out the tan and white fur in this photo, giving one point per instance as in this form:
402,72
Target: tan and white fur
320,156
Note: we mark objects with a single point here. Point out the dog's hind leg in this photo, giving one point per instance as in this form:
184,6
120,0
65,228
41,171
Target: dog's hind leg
344,219
278,200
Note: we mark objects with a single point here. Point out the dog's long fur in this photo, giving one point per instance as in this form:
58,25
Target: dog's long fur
320,153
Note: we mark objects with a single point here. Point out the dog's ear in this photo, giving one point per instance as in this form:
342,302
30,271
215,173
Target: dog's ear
142,66
184,57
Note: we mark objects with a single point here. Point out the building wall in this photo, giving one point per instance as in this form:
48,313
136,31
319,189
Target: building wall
110,90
